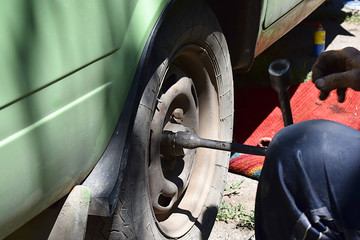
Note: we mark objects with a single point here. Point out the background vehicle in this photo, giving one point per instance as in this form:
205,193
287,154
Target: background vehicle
88,87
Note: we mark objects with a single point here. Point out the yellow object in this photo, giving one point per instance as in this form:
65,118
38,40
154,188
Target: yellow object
319,40
319,35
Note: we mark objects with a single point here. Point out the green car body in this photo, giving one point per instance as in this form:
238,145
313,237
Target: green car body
66,71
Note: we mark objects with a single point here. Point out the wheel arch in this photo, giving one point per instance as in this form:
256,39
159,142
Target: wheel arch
240,21
241,49
106,177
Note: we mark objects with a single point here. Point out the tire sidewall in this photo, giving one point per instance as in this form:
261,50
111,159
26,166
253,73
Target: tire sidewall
177,31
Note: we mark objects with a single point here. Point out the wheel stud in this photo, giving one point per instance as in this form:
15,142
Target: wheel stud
177,115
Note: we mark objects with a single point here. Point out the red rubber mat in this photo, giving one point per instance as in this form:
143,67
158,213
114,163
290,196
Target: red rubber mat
264,118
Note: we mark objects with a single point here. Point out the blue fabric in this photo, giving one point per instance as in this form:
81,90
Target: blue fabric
235,155
309,187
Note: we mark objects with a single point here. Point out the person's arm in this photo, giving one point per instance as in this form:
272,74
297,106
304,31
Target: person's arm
337,69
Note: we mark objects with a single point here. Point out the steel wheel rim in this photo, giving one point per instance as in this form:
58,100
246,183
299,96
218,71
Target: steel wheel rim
178,191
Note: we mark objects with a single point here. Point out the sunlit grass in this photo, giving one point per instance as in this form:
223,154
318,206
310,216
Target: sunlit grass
353,18
235,213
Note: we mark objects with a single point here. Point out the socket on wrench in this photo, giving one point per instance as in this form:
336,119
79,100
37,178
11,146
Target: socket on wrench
280,82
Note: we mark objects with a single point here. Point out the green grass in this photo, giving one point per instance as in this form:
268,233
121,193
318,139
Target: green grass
235,213
353,18
232,189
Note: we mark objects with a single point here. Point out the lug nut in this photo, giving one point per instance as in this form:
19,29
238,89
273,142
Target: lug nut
177,115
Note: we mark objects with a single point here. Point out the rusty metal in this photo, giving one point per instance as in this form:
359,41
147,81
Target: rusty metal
187,140
280,82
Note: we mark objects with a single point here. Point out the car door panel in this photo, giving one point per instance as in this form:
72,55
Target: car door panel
275,9
64,84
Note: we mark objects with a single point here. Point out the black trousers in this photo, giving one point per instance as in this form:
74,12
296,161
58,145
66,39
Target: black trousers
309,187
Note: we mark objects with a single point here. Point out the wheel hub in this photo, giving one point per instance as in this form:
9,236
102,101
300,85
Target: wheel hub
180,179
170,169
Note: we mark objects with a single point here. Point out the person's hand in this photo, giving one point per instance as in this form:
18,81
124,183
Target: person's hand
337,69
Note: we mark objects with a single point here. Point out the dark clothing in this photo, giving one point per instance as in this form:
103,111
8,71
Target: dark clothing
309,187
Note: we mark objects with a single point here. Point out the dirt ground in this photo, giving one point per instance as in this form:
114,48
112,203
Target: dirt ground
340,33
246,196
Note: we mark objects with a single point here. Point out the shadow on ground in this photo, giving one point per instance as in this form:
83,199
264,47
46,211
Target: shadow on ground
254,98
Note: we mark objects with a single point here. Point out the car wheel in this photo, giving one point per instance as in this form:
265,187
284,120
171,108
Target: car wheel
169,193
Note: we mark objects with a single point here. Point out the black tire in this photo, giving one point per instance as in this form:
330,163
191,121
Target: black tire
189,47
